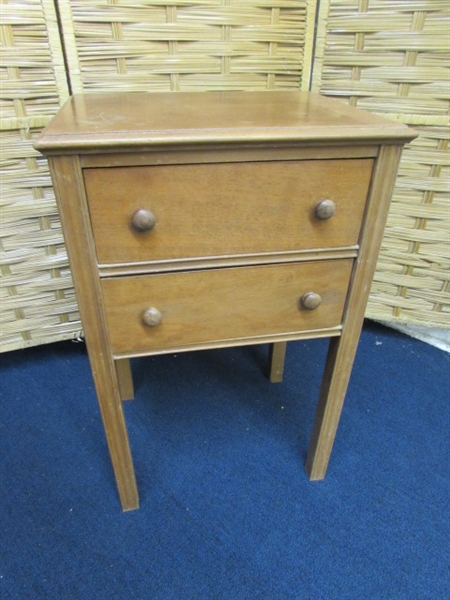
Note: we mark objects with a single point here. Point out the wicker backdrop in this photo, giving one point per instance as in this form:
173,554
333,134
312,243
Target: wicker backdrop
190,45
392,58
389,57
37,302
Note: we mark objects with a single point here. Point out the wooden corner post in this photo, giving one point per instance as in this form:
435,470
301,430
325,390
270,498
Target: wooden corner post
342,349
69,188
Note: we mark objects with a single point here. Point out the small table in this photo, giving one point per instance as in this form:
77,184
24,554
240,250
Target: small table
206,220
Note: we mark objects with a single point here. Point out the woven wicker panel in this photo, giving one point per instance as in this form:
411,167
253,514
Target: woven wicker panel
191,45
384,56
33,79
393,58
412,282
37,302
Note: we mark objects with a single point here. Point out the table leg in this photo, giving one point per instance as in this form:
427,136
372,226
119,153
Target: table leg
331,399
125,378
342,349
277,353
111,409
69,188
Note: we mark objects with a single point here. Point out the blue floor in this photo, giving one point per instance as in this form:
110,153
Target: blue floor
227,511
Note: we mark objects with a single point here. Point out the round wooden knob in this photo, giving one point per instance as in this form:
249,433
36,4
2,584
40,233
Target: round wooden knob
325,209
152,317
143,220
311,301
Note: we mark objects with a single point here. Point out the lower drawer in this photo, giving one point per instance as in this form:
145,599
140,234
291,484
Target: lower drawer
178,310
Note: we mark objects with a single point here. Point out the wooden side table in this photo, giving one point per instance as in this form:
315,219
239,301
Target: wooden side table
220,219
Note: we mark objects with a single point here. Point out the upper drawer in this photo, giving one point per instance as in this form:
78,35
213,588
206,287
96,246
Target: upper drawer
225,209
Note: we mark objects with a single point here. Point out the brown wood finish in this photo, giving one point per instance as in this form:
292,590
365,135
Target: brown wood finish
222,304
277,353
342,351
125,379
109,122
212,210
230,260
236,254
223,154
305,334
67,179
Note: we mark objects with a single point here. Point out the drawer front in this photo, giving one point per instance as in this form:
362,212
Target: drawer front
188,308
227,209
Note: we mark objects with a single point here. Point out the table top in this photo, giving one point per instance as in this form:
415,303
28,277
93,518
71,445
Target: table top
130,120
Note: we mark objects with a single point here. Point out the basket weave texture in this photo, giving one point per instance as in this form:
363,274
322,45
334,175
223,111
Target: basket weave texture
37,302
392,58
33,79
187,45
386,57
412,280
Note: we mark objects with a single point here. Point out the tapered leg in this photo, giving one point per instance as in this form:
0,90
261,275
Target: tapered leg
342,349
110,402
338,368
69,187
125,378
277,353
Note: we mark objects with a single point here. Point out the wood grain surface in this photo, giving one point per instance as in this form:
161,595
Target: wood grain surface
233,180
109,121
223,304
225,209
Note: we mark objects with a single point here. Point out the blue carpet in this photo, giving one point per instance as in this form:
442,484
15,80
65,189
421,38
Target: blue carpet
227,511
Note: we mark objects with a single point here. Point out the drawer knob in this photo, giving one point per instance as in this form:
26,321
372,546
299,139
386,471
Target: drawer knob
152,317
325,209
311,301
143,220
